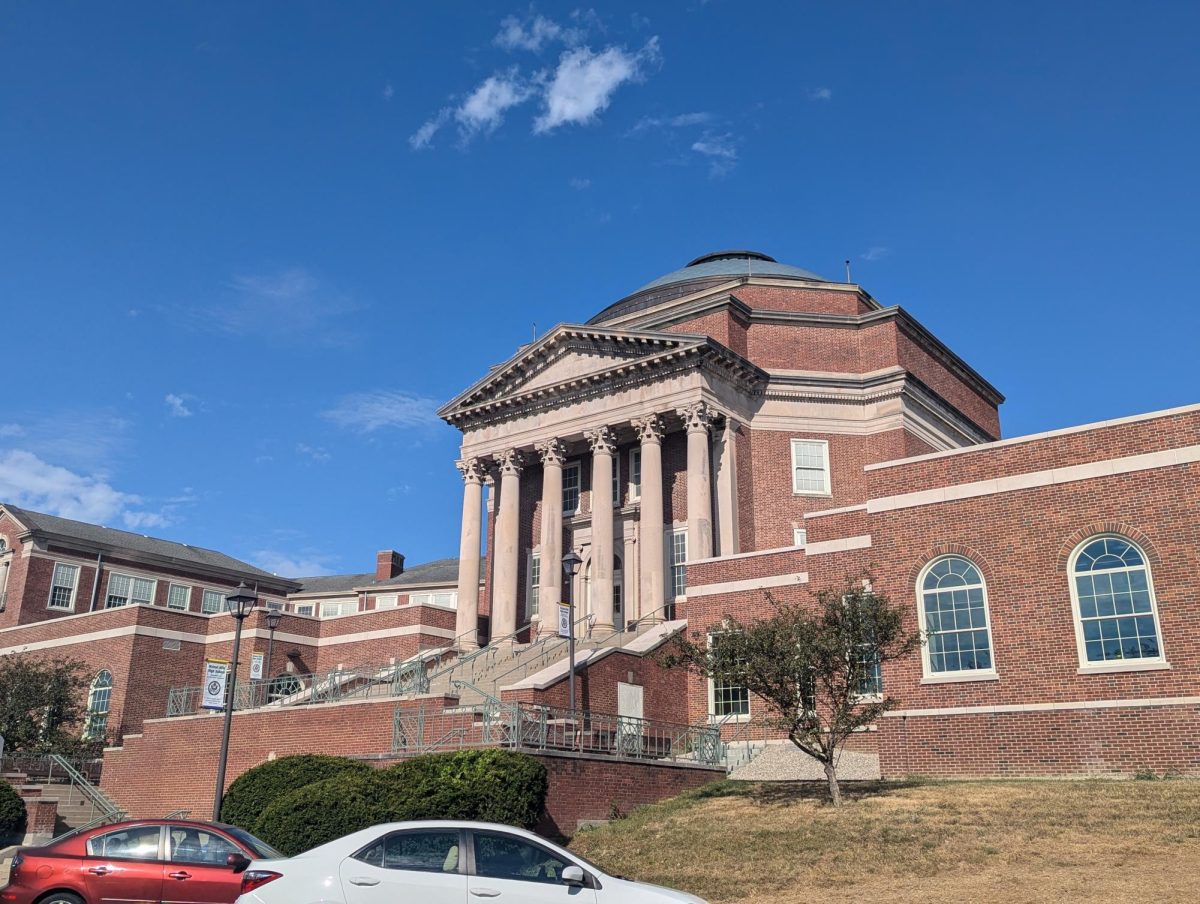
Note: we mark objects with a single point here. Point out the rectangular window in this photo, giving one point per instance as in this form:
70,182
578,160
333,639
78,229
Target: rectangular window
142,592
535,583
810,467
446,599
178,597
616,480
118,591
304,608
677,578
274,606
635,474
386,601
333,608
727,699
571,489
799,537
213,602
62,588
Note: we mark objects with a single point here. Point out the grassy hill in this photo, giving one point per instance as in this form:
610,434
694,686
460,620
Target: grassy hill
944,842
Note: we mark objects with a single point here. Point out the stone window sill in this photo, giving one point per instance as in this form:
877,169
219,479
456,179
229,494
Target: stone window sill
1122,665
961,677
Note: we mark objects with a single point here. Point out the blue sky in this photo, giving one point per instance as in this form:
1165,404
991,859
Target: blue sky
247,248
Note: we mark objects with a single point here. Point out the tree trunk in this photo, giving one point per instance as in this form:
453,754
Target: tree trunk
835,793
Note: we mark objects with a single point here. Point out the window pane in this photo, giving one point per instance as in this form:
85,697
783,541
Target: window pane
214,601
507,857
138,843
177,596
1116,609
571,489
142,591
189,845
426,852
955,616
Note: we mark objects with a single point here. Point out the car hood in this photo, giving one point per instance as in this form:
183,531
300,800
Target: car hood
644,893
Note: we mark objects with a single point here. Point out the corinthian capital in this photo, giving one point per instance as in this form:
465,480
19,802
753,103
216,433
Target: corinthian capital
473,470
602,441
553,452
510,463
697,417
650,428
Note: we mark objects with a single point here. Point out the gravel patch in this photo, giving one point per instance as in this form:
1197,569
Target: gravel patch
783,762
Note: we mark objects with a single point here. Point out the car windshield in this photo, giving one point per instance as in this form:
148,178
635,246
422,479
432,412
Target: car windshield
261,850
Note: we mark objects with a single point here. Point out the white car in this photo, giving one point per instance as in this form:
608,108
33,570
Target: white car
442,863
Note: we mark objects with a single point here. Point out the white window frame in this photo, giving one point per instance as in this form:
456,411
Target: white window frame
129,600
573,467
327,606
306,609
187,602
616,481
712,697
929,676
635,474
220,608
533,583
672,535
95,720
70,605
386,601
823,444
799,537
1142,664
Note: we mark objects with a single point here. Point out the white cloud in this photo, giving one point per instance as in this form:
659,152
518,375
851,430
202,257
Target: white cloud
678,121
7,430
820,94
876,253
30,482
177,405
315,453
533,34
584,82
388,91
290,305
579,183
423,137
484,109
291,566
720,151
370,411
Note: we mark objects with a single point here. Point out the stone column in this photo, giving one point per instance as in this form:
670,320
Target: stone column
728,539
553,453
604,448
652,579
467,622
506,573
697,418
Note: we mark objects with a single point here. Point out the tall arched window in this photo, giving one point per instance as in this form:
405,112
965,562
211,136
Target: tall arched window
954,618
1115,613
99,698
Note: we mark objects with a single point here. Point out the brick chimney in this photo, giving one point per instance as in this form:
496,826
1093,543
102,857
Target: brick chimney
388,564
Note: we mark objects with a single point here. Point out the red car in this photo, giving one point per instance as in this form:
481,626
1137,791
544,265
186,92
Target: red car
140,862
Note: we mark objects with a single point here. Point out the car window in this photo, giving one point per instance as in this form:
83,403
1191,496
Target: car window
136,843
192,845
509,857
259,848
426,852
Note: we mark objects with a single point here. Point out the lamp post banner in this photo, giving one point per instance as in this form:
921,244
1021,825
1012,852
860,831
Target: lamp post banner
256,667
216,673
564,620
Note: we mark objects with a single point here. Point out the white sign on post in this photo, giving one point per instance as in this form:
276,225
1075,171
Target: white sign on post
216,672
256,667
564,620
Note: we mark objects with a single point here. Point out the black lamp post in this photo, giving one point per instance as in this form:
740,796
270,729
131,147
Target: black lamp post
274,617
570,566
240,604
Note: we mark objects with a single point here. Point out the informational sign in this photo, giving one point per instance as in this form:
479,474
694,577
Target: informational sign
564,620
256,667
216,673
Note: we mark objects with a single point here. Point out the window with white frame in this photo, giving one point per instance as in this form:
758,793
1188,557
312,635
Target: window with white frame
571,487
334,608
799,537
124,589
810,467
62,586
99,698
635,474
535,583
387,600
1115,613
954,617
446,599
274,606
726,698
677,576
304,609
178,596
212,602
616,480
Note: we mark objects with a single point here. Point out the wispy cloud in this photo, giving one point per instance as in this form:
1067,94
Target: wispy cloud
177,405
584,83
533,33
313,453
290,565
371,411
484,109
84,439
8,430
820,93
876,253
388,91
720,151
678,121
579,183
31,482
423,137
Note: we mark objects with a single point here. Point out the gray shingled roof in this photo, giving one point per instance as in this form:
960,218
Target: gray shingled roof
111,538
443,571
334,583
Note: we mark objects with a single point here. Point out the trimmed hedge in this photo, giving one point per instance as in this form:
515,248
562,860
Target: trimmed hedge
491,785
252,792
12,812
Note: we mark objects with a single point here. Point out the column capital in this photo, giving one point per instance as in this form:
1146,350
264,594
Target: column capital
552,452
473,470
602,440
510,463
697,417
650,428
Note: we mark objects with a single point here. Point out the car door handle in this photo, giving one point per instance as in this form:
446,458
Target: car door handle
179,875
99,870
363,880
485,892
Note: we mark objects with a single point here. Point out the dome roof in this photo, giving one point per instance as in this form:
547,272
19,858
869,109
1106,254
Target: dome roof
708,269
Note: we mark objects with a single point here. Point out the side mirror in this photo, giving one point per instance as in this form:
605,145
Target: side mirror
237,862
573,875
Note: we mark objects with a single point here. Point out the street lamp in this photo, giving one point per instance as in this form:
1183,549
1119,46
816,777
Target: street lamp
240,604
570,566
274,617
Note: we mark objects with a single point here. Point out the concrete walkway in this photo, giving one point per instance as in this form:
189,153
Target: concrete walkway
783,762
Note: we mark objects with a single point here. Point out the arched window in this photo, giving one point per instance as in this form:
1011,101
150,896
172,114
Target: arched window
1115,613
954,617
99,698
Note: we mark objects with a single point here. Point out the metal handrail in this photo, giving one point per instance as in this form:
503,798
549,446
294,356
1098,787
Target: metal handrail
490,698
178,814
79,781
551,643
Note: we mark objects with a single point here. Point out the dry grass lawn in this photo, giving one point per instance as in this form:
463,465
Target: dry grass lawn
942,841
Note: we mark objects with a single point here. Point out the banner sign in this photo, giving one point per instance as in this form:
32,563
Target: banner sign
256,667
564,620
216,672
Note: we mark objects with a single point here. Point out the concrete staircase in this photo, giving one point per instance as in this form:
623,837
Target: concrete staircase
74,810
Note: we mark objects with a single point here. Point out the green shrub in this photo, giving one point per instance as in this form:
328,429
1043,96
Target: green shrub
490,785
12,813
255,790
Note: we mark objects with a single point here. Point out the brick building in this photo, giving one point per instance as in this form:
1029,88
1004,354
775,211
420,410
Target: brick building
736,427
